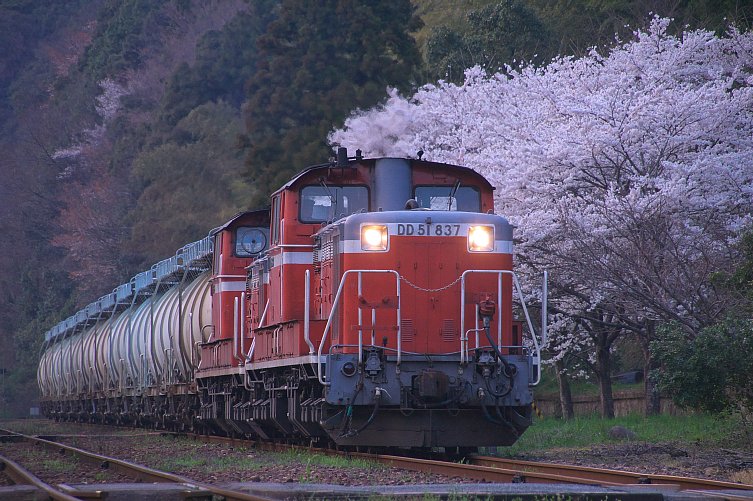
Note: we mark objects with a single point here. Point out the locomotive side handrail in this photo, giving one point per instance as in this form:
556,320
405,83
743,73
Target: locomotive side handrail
332,314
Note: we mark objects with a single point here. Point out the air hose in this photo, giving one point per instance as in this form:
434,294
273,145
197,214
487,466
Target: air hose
377,398
486,312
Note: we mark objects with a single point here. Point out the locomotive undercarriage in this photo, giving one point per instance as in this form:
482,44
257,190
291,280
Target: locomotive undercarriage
445,403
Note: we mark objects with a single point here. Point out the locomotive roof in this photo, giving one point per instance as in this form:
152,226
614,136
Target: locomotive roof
236,217
351,161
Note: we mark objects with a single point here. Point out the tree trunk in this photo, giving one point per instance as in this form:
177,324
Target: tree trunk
566,397
652,397
603,373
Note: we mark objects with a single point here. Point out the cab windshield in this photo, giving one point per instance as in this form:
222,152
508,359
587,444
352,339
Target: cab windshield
327,203
452,197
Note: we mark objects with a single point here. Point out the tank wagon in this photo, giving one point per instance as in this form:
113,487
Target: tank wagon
371,305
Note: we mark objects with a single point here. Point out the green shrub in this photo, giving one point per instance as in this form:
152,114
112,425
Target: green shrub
712,371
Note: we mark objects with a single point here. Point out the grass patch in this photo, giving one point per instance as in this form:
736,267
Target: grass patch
550,433
29,426
209,463
101,476
198,458
317,459
190,454
743,476
58,465
183,463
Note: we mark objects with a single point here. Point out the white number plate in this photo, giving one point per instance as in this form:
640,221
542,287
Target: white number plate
428,230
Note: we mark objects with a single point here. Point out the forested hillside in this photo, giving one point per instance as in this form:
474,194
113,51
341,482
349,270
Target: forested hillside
131,127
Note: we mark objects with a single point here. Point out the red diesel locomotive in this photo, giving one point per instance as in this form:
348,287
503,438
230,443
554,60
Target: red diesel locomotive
372,305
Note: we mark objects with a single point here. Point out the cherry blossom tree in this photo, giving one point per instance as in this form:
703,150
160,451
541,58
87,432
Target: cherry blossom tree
629,174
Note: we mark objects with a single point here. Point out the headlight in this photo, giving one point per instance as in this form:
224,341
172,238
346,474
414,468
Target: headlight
481,239
374,237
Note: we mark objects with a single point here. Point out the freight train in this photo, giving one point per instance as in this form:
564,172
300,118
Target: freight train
371,305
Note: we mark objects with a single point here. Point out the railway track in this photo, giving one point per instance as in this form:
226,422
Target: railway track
494,469
535,470
20,476
138,472
476,467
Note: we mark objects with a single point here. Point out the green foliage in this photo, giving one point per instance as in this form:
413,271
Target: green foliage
23,23
123,33
444,13
739,282
711,372
318,62
225,59
577,25
552,433
490,33
496,35
19,386
190,183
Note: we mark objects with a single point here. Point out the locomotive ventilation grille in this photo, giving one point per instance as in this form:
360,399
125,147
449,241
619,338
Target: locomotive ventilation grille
449,332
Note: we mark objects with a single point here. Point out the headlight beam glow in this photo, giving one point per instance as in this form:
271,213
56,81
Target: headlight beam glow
481,238
374,237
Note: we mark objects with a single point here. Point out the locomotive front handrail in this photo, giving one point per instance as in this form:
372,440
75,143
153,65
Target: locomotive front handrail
537,348
262,319
464,350
235,331
332,314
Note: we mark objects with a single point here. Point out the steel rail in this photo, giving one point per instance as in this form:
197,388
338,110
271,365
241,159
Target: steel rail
415,464
447,468
476,472
21,476
606,475
140,472
494,469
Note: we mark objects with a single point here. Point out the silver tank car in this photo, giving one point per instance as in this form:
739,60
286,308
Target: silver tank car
141,339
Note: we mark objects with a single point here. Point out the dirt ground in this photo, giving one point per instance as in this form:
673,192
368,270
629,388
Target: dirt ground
681,459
